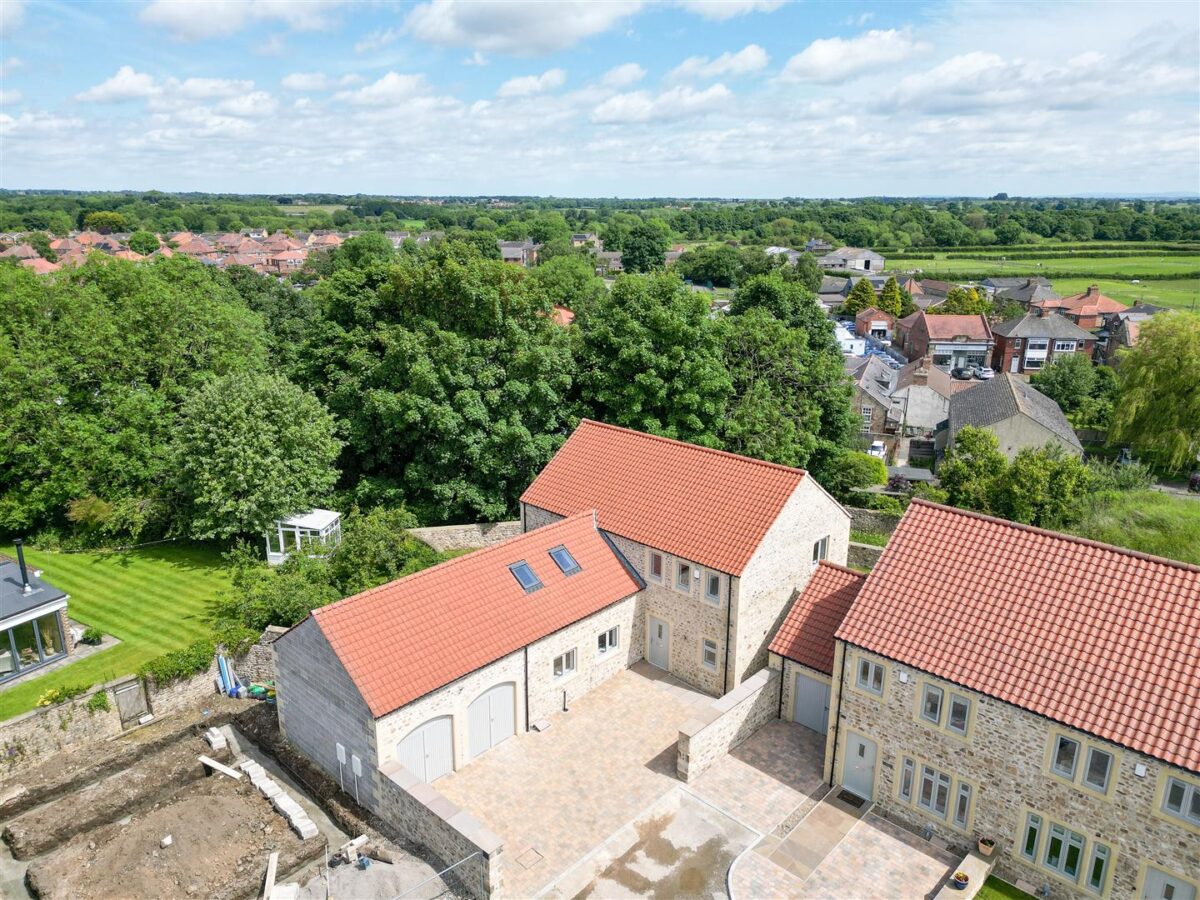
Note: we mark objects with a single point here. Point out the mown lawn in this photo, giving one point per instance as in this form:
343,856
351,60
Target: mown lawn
1166,264
154,599
1183,293
1149,521
995,889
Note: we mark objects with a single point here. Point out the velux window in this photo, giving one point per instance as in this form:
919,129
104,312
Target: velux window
525,576
564,560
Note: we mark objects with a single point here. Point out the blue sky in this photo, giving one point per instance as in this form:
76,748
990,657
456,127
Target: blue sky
739,98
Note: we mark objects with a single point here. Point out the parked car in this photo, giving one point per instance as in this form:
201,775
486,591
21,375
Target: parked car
878,450
962,373
985,372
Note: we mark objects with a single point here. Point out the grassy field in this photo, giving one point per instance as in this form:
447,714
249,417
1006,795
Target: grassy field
1150,521
995,889
1166,264
303,209
1180,294
154,599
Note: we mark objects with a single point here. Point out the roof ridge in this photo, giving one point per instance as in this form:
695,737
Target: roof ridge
841,568
1060,535
448,563
658,437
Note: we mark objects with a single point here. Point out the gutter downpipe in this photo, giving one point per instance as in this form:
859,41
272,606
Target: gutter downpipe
837,719
527,688
728,628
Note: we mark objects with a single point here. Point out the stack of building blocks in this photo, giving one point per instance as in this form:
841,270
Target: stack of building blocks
215,739
280,799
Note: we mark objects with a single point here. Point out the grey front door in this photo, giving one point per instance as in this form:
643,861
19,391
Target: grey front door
1161,886
490,719
858,771
810,706
660,640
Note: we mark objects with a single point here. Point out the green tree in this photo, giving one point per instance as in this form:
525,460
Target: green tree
39,242
962,302
718,266
643,248
283,595
650,358
890,300
1158,408
862,296
847,471
570,281
1008,232
1042,487
972,469
1083,391
250,449
143,242
104,222
377,548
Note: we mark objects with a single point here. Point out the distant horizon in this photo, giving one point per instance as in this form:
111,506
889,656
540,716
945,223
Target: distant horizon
748,99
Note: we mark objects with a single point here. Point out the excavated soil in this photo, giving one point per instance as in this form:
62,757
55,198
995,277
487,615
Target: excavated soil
222,835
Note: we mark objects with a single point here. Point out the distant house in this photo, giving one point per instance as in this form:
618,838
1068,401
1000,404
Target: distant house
1017,414
921,397
874,380
876,323
1087,310
833,291
33,619
816,245
672,256
20,251
608,262
1031,342
876,281
855,258
927,294
793,256
562,315
519,253
587,239
951,341
851,345
1121,331
1024,291
40,266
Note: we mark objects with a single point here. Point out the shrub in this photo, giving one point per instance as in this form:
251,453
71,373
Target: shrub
58,695
178,664
92,635
98,702
234,638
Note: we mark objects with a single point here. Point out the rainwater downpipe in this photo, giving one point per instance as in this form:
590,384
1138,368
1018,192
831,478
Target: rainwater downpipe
837,719
728,627
526,687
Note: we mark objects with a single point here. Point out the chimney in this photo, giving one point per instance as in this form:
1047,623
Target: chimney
1093,290
26,587
921,373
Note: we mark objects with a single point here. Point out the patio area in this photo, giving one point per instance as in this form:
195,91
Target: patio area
554,796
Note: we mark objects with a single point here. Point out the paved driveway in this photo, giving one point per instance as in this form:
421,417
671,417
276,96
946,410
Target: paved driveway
555,796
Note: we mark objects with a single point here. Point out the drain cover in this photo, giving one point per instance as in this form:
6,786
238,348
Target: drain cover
530,858
853,799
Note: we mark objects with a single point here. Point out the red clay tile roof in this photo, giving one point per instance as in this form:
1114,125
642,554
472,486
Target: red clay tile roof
945,328
1090,302
806,635
562,315
707,506
406,638
1098,638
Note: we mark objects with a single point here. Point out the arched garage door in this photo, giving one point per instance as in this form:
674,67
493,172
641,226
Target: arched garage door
428,751
491,718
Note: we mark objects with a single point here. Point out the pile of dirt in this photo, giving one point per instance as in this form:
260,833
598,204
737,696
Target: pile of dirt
222,834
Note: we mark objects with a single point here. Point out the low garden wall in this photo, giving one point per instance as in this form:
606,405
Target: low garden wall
452,834
466,537
863,556
726,722
872,520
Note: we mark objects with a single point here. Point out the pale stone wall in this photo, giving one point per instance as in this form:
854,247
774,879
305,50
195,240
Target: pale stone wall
466,537
1018,432
1005,759
780,566
319,707
546,691
863,556
726,722
29,738
419,812
872,520
453,700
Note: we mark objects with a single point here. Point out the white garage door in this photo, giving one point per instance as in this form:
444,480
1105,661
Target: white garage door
428,752
811,699
491,718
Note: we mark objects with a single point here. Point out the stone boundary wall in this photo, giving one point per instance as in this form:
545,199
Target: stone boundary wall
726,722
872,520
29,738
420,812
466,537
863,556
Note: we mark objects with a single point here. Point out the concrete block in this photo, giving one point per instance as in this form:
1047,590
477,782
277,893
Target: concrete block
305,828
250,767
285,892
269,788
285,804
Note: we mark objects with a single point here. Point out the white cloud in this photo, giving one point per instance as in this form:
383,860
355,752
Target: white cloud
476,59
833,60
517,27
720,10
9,97
191,20
750,58
527,85
208,88
12,14
678,103
389,90
376,40
858,21
254,105
306,81
126,84
623,75
275,45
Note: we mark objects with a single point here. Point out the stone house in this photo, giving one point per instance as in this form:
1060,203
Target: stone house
519,253
951,341
874,384
995,679
1031,342
34,630
721,541
1018,414
432,670
921,397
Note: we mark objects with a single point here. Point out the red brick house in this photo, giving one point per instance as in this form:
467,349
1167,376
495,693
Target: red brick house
1032,341
951,340
875,323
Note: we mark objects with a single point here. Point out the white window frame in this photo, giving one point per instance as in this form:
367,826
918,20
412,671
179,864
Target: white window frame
683,582
820,550
709,575
707,644
561,669
1188,797
655,556
866,683
608,641
868,416
1064,346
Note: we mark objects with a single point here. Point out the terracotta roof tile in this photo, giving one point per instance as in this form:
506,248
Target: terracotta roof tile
806,635
1099,638
413,635
707,506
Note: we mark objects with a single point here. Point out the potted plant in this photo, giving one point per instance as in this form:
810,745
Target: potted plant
960,880
986,846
